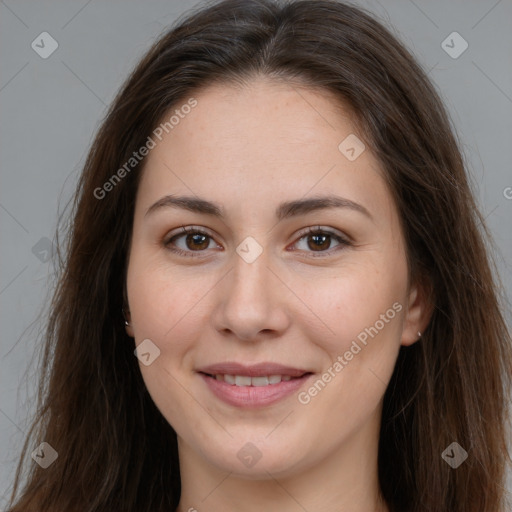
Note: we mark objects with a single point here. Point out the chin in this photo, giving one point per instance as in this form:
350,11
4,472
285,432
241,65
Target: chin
255,459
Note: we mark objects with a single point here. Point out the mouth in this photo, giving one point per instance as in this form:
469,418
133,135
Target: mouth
253,386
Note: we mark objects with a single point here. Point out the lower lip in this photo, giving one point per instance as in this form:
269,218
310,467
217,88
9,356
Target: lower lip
253,396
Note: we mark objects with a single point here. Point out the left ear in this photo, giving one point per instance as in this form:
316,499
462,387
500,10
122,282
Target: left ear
418,312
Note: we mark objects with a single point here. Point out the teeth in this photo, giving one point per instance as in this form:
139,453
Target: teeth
259,381
227,378
244,380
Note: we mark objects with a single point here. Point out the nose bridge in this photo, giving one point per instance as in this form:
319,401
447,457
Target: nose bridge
251,278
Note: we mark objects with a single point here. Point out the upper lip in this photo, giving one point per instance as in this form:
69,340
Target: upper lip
255,370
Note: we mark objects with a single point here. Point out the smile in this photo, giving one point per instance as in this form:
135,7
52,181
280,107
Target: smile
244,391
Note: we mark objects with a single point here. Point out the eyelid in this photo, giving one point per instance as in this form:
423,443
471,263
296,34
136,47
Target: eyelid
183,230
324,229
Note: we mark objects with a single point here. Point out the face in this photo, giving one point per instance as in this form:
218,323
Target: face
262,339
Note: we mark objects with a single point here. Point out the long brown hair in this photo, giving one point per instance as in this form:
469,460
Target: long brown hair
115,449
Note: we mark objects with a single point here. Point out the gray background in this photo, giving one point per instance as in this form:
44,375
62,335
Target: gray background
50,109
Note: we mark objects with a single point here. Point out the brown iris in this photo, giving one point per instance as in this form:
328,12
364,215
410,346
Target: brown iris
195,237
315,246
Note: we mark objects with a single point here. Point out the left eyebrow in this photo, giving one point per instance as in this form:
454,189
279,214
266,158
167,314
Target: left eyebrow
284,210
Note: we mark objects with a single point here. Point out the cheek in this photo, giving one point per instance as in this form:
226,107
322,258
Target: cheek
154,293
168,306
167,309
365,309
361,304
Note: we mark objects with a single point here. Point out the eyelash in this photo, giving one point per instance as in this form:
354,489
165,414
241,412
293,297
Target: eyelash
317,230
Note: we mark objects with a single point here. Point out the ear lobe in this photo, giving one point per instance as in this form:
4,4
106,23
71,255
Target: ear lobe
418,313
127,322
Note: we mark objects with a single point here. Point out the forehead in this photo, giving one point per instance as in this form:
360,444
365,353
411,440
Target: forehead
261,142
260,117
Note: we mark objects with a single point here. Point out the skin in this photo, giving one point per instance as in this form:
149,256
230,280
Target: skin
250,148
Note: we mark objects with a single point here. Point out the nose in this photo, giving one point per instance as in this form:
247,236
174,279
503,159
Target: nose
251,302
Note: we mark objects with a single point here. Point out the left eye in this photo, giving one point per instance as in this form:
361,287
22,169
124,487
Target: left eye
319,240
196,240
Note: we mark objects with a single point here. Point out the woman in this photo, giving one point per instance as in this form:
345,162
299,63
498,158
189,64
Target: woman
277,295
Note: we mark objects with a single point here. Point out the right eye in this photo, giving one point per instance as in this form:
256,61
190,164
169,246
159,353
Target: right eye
194,240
